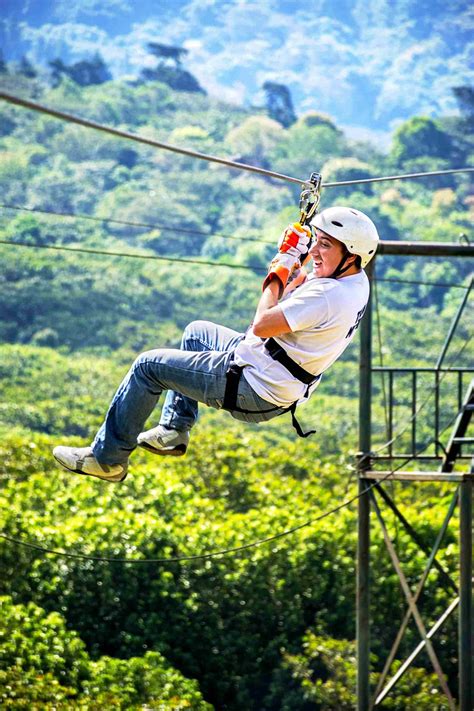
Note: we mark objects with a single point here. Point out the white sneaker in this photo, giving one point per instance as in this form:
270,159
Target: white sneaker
82,461
164,441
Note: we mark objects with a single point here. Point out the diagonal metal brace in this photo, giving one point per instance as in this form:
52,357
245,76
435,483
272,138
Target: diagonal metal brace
378,697
416,651
413,607
415,537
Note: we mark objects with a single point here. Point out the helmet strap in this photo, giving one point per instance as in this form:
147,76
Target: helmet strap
340,269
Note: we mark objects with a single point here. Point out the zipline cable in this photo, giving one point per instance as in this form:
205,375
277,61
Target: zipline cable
130,255
187,260
277,536
184,230
245,546
72,118
128,223
445,284
226,551
212,554
405,176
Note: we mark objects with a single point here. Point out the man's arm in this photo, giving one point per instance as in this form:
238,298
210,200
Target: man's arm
269,319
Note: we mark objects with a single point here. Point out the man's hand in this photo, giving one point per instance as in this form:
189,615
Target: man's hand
292,246
295,240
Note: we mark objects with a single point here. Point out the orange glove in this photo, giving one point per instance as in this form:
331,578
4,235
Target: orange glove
292,246
295,237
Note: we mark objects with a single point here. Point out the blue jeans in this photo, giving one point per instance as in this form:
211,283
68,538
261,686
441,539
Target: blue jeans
195,373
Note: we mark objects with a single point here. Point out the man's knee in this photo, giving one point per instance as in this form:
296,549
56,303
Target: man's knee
194,329
146,358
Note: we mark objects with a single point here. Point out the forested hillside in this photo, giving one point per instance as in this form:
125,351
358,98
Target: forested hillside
369,63
264,629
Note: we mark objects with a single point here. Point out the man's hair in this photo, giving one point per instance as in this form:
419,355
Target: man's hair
358,262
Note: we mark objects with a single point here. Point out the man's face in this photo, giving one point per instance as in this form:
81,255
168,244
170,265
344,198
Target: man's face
326,253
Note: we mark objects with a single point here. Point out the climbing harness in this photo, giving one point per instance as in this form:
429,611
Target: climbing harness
278,353
233,375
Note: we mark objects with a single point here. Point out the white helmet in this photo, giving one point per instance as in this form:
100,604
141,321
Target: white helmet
352,228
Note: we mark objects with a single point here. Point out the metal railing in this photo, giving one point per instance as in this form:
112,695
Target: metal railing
407,400
412,400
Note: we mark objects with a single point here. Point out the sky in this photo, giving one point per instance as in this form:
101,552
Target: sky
369,64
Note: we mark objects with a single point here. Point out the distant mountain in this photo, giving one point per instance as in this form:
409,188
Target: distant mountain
368,63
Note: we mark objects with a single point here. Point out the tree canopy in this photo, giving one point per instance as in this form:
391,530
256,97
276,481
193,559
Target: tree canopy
272,627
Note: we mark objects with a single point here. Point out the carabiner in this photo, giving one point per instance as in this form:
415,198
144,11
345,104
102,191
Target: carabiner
309,198
309,203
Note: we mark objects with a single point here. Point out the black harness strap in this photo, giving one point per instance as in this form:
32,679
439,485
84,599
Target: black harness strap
232,385
279,354
296,424
234,373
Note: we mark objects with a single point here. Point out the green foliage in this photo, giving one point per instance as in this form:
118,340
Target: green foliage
7,125
323,676
254,139
225,620
169,70
314,118
341,169
110,301
84,72
306,147
174,77
142,681
43,664
34,640
69,396
265,628
419,137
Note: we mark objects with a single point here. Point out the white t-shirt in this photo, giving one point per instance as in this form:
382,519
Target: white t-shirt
323,315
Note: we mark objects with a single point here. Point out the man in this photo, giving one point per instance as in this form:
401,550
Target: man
301,326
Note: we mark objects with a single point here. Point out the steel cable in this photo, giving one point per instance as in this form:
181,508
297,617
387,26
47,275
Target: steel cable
72,118
241,166
187,260
178,228
246,546
252,544
131,255
128,223
213,554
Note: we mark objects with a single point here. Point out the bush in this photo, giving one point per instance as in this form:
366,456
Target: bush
44,665
323,676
